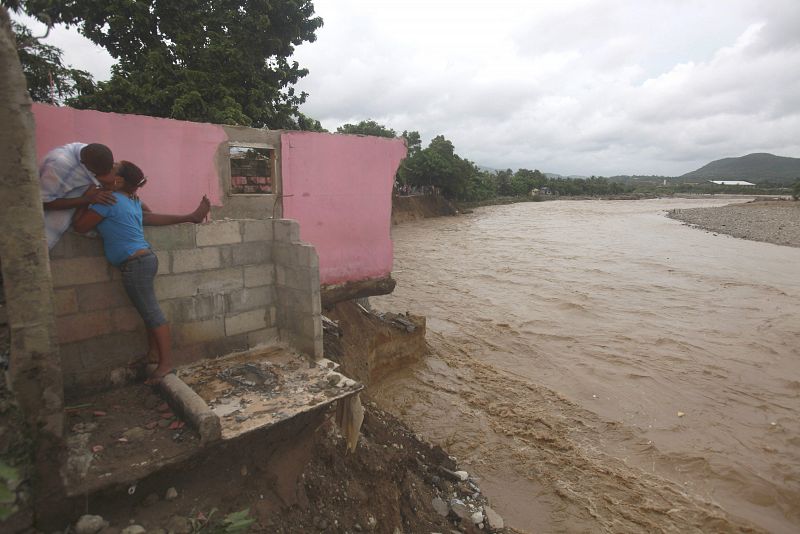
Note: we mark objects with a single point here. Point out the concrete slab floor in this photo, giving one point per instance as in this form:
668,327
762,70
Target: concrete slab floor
123,435
259,388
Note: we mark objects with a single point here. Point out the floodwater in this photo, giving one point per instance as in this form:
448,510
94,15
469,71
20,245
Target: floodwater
603,368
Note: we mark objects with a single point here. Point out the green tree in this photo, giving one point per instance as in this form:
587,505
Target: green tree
225,61
48,78
796,190
503,180
438,165
367,127
306,123
413,142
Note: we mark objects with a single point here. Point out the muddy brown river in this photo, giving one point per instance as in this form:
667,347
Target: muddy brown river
602,368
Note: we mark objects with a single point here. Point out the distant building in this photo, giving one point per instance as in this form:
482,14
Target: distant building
732,182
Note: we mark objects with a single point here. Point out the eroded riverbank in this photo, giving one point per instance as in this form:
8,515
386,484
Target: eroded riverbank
605,368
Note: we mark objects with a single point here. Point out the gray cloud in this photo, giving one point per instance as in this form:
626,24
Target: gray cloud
582,87
575,87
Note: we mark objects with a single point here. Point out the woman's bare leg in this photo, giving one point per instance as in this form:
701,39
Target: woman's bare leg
163,342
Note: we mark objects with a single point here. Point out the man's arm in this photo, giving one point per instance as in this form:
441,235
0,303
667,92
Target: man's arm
86,219
91,196
162,219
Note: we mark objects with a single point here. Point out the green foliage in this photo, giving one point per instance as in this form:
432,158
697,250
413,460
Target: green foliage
237,522
49,80
432,166
413,142
367,127
233,523
796,190
306,123
9,480
226,61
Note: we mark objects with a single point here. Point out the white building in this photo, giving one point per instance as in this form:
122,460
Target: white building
731,182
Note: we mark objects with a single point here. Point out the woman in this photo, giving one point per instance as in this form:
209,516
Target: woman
121,226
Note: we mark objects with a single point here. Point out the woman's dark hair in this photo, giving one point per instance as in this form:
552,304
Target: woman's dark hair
129,172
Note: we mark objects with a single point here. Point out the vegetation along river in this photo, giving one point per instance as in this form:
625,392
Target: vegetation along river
604,368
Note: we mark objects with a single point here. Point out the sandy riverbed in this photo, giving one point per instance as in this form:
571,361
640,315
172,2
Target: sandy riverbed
772,221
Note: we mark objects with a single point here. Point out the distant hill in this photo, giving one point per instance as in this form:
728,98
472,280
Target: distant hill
756,168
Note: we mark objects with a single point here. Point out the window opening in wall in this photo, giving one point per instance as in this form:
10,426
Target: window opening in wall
252,170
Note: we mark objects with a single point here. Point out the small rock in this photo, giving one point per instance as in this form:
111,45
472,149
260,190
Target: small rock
135,434
179,525
119,377
243,470
477,517
493,520
84,428
333,378
440,506
151,499
463,475
460,510
357,527
371,522
90,524
171,494
134,529
681,414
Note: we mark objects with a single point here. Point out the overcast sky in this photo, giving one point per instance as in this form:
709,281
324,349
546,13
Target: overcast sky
580,87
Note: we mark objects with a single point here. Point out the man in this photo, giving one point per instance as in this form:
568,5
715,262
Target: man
68,172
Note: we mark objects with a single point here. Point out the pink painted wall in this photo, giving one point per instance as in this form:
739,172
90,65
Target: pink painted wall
339,188
178,157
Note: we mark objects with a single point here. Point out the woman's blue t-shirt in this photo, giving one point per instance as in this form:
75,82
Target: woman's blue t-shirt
121,228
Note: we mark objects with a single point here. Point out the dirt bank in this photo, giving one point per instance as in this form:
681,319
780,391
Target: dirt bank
772,221
413,208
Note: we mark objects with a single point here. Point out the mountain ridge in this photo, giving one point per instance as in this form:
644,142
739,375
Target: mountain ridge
758,167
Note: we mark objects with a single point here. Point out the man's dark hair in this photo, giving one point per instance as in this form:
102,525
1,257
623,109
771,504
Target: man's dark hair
129,172
98,158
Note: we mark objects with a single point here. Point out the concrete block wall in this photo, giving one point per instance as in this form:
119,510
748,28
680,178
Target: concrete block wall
224,286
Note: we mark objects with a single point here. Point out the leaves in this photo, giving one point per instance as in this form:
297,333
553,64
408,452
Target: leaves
9,479
367,127
49,80
225,61
237,522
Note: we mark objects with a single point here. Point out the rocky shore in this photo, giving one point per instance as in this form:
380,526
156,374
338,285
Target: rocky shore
772,221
